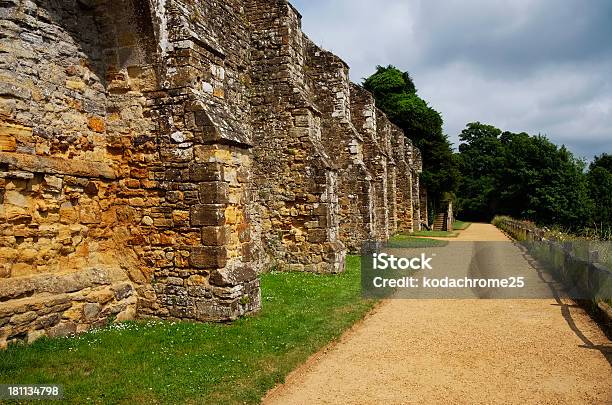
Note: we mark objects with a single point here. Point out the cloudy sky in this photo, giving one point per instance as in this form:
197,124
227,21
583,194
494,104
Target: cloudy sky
540,66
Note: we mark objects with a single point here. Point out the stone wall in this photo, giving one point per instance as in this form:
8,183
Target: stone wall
156,155
295,180
365,117
340,138
419,194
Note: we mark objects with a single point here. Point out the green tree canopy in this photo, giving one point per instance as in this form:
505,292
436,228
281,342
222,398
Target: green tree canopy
477,193
396,95
521,175
600,188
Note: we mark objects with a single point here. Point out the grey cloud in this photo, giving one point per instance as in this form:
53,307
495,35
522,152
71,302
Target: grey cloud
540,66
516,36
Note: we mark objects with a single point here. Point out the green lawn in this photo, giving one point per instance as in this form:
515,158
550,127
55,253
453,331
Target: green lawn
435,234
460,225
405,241
164,362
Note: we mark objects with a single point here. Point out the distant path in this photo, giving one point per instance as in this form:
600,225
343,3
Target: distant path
481,232
461,352
475,232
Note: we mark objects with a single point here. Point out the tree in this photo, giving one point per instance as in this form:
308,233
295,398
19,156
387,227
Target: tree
396,95
542,182
480,156
520,175
600,189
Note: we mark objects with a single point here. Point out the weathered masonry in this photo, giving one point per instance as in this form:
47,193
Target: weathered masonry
156,155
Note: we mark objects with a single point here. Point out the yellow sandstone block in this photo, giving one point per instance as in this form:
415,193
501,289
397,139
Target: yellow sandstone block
96,124
75,85
219,93
231,215
7,143
206,154
22,270
10,133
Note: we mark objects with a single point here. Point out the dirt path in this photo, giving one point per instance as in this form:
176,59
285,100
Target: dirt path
461,352
481,232
477,232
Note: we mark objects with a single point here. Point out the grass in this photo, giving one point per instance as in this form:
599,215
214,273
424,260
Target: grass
170,362
435,234
405,241
461,225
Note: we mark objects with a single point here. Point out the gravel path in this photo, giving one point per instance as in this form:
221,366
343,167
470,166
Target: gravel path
461,352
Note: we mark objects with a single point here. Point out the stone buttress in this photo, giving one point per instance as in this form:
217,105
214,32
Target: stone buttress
330,81
364,118
295,179
403,187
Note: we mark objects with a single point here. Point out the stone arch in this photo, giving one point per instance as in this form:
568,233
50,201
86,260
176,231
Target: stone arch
114,35
129,46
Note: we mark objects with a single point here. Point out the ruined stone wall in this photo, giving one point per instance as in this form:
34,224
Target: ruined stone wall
125,163
340,138
364,115
401,147
387,213
61,214
204,271
156,155
296,182
419,193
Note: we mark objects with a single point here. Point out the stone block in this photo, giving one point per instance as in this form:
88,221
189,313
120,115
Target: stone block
8,143
96,124
57,165
91,189
75,313
78,85
101,296
63,329
22,270
9,130
207,215
317,235
16,198
233,277
208,257
23,319
180,218
233,215
127,315
47,321
122,291
218,92
54,183
214,235
89,212
215,192
176,154
91,311
174,196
